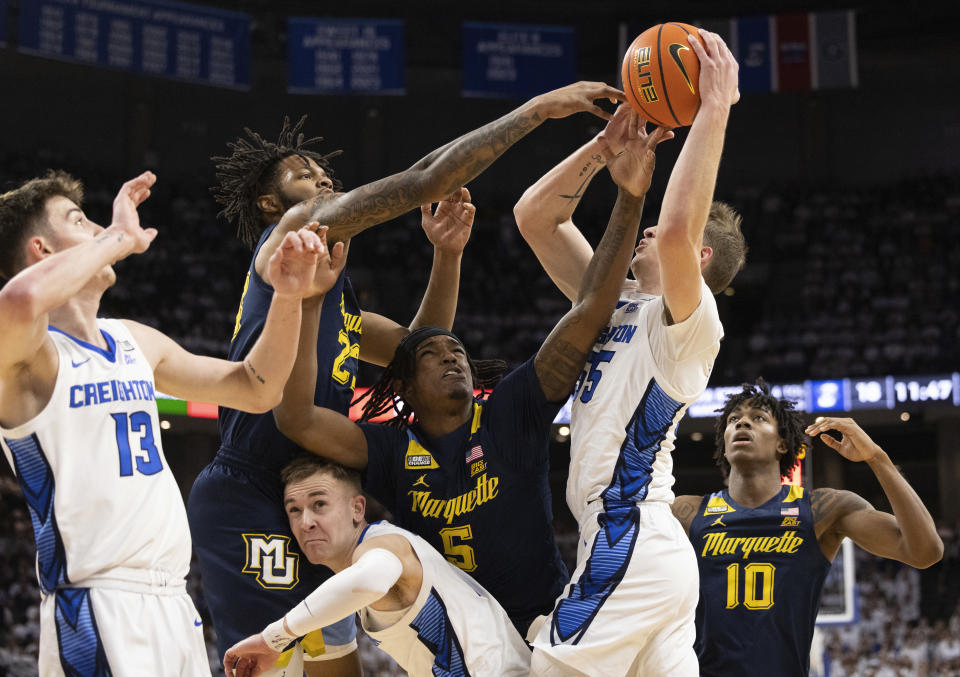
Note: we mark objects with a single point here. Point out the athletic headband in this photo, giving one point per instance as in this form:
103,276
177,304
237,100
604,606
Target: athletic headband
408,345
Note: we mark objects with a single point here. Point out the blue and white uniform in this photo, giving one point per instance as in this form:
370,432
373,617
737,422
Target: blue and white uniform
622,610
113,546
454,628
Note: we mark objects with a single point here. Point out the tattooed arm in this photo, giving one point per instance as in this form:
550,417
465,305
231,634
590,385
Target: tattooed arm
447,168
684,508
561,358
908,535
544,213
256,383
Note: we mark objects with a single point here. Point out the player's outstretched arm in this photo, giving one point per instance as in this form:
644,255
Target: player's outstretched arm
256,384
561,358
27,299
448,229
908,535
319,430
369,578
447,168
684,508
544,213
686,201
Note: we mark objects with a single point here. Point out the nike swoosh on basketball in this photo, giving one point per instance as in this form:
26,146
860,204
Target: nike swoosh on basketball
77,364
675,48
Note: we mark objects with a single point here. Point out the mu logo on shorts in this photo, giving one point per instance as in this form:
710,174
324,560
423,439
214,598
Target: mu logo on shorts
269,558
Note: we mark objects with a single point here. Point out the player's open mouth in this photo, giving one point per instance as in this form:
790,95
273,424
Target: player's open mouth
742,437
452,372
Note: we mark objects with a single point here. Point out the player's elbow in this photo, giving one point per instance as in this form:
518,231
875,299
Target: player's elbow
20,303
289,421
930,554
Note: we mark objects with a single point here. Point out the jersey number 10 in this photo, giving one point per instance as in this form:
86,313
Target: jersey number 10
757,586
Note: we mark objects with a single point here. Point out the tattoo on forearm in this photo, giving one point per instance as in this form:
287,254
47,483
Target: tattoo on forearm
253,371
582,187
558,365
459,162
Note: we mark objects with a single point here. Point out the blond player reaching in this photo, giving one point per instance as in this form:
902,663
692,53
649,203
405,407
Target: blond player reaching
630,606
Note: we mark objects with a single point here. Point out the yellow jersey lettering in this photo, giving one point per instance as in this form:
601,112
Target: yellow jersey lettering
717,543
422,502
243,295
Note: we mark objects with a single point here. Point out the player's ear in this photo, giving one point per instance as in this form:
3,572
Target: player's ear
781,447
706,255
38,248
269,204
359,508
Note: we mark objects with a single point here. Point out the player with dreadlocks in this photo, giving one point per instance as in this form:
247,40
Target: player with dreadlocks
471,475
250,565
764,547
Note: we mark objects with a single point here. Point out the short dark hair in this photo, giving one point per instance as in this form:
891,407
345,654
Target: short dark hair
723,235
789,424
251,171
305,465
22,210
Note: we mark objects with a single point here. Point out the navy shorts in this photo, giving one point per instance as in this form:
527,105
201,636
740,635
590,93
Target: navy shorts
253,571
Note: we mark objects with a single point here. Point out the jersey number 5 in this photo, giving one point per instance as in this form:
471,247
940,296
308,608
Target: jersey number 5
459,554
149,462
757,586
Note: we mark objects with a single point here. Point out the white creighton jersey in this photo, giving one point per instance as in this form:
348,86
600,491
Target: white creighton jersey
454,628
101,495
635,388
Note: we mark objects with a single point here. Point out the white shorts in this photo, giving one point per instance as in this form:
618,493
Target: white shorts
630,606
91,631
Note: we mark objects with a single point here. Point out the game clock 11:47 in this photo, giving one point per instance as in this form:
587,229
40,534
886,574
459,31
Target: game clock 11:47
925,389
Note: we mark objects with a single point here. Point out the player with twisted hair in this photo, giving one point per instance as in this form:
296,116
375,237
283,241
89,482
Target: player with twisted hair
250,565
764,547
471,476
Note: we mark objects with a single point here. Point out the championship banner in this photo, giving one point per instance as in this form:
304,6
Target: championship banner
516,61
752,46
793,52
834,58
345,56
153,37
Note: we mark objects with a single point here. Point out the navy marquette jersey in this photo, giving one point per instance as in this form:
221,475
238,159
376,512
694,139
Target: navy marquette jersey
480,495
254,438
761,575
253,571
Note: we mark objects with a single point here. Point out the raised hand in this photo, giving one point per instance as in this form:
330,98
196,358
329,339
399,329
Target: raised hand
293,266
854,445
329,264
126,220
249,657
577,98
449,226
718,69
629,151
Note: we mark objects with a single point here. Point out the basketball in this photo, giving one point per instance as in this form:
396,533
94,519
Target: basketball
661,75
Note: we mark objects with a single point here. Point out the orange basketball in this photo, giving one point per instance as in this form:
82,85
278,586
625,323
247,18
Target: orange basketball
661,75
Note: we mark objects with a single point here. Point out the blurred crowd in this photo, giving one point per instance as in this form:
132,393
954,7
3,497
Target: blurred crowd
840,281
